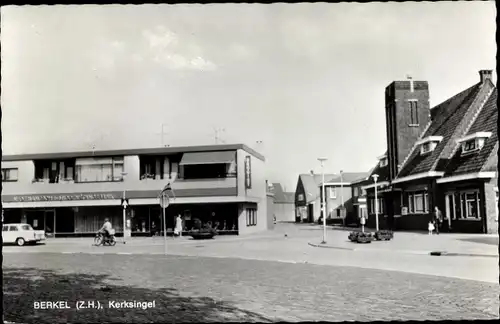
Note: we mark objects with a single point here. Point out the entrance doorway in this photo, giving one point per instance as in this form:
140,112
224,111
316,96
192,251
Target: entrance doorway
310,213
50,222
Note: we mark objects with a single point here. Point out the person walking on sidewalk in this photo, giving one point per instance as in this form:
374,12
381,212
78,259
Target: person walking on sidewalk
178,226
438,219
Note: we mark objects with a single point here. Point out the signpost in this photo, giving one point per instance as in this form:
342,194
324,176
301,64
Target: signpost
125,206
164,202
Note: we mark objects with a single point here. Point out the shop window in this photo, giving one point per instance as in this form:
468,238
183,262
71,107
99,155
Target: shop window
251,217
9,175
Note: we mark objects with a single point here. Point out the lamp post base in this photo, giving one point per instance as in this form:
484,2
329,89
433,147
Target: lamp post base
323,242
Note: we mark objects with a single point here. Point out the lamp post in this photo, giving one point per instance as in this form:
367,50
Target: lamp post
342,196
375,177
123,207
322,161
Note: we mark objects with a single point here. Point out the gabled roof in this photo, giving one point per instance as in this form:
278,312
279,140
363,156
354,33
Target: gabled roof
347,177
311,184
487,121
281,196
447,117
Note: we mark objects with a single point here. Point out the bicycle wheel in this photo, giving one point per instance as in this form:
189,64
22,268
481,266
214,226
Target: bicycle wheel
112,241
98,240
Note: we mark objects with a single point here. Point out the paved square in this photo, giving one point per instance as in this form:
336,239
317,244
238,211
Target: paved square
188,289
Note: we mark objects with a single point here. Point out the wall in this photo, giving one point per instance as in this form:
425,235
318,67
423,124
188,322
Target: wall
257,191
334,203
271,210
400,136
26,171
132,182
490,208
285,212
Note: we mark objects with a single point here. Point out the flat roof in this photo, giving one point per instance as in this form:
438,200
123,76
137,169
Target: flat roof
144,151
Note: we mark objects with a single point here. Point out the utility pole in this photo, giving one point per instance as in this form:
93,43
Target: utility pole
323,203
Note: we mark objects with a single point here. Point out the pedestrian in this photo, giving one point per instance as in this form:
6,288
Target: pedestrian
438,218
431,227
178,226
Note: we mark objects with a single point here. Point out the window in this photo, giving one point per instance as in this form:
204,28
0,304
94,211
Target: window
380,205
99,170
418,202
413,113
26,227
301,197
251,217
428,147
383,162
333,192
205,171
5,228
9,175
469,146
13,228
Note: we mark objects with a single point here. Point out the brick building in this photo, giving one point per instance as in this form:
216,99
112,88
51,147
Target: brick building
444,156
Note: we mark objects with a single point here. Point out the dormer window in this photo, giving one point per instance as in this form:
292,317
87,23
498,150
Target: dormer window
383,161
428,144
474,142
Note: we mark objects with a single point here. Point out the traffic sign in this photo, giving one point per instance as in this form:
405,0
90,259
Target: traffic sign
125,203
164,200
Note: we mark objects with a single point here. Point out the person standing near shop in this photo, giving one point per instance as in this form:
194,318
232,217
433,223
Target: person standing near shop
438,219
178,226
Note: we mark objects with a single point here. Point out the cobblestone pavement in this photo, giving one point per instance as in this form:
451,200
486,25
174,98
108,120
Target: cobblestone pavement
212,289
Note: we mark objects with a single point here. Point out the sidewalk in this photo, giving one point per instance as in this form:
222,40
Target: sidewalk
414,243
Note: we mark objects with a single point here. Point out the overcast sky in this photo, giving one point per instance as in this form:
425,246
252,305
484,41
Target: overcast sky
307,80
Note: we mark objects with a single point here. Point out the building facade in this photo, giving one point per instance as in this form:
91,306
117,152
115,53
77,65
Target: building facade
338,197
284,204
72,193
444,157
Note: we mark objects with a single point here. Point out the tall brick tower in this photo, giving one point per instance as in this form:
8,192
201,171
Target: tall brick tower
407,113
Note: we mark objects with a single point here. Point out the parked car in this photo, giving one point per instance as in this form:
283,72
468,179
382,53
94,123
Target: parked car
21,234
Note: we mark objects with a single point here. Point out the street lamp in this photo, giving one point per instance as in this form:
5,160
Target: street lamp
342,195
322,161
375,177
123,207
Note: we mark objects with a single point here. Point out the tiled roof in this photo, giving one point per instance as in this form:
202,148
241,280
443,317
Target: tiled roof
487,121
348,177
382,172
281,196
289,197
447,116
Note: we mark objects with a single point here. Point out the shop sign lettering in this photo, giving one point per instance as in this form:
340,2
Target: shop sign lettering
248,173
34,198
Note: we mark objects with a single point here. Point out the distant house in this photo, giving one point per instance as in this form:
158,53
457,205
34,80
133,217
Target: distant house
307,197
338,194
443,157
284,204
338,197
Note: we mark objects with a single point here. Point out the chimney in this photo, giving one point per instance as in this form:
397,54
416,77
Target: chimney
485,75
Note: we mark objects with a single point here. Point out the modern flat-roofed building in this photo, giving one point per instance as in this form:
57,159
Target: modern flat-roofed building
72,193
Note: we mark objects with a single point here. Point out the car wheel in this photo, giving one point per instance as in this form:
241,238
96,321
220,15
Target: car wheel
20,241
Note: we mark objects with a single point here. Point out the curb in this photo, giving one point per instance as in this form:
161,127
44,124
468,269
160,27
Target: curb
331,247
444,253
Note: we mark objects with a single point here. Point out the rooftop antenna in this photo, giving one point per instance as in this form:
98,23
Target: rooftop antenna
410,78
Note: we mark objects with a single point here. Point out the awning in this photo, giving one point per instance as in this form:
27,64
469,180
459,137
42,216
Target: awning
208,157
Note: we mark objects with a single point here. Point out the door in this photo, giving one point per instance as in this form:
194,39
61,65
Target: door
449,200
50,221
310,213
